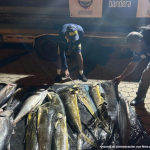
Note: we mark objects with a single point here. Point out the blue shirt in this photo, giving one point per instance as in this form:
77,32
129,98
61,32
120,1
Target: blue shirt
63,42
144,54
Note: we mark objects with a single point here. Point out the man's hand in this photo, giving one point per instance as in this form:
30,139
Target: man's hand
118,79
67,73
68,52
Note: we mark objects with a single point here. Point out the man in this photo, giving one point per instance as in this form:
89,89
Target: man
70,38
139,44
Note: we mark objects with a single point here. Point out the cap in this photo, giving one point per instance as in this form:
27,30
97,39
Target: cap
72,33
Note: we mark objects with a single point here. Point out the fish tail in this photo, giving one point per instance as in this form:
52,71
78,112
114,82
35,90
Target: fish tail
89,141
104,127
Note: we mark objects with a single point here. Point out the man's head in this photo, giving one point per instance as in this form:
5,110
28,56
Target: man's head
72,33
134,41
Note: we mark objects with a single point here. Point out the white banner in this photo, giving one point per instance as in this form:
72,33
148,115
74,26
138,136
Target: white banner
143,9
85,8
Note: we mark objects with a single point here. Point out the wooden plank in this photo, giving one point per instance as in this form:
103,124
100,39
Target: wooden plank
52,32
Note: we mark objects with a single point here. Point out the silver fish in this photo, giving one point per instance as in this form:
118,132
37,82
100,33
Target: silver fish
6,128
16,100
30,103
6,93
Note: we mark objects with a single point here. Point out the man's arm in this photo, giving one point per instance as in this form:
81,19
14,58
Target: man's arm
130,68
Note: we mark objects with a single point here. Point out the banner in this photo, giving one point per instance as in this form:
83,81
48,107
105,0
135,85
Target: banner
120,8
85,8
143,9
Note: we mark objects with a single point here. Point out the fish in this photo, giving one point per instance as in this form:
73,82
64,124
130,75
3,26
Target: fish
60,141
69,99
6,93
31,142
83,96
123,119
117,110
16,100
96,96
45,126
95,92
57,102
112,102
30,103
6,128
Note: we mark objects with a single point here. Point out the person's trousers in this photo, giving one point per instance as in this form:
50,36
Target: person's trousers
144,83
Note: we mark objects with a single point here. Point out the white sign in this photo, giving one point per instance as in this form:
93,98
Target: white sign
85,8
143,9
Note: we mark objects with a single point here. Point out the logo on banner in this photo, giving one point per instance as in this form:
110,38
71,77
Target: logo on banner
119,3
85,3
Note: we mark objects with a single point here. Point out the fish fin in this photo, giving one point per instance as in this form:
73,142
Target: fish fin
89,140
56,124
49,96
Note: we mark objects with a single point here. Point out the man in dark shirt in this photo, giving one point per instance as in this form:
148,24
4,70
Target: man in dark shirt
70,38
138,43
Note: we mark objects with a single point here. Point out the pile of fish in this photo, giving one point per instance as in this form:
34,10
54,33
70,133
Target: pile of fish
75,117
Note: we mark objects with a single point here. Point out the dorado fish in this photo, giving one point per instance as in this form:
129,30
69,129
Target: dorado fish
69,99
6,93
6,128
60,141
31,142
16,100
57,102
30,103
45,126
99,101
84,97
96,95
